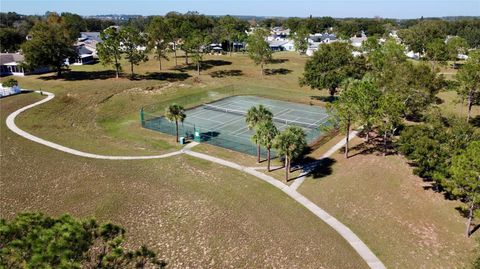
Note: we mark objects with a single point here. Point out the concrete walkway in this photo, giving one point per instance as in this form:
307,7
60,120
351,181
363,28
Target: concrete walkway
357,244
12,126
343,230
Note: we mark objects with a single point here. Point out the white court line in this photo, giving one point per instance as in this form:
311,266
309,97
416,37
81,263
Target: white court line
238,133
223,124
283,112
200,118
321,120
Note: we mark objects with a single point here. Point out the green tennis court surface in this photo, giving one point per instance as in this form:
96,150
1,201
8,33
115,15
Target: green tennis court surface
222,123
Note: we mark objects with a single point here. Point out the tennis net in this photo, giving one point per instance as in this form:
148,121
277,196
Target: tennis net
243,113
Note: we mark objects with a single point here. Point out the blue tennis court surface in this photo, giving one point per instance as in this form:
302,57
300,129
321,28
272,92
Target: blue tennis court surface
222,123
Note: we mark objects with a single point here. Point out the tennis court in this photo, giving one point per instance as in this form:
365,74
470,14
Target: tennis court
222,123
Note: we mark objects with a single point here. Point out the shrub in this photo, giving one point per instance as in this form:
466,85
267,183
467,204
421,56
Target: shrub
10,82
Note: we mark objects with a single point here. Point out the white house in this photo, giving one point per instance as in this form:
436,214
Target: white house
11,64
84,56
322,38
357,41
282,45
90,40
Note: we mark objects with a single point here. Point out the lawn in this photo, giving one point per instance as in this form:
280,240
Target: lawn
192,212
196,213
397,215
95,112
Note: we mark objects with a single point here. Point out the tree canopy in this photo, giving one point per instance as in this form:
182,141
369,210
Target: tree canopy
51,44
258,49
330,66
33,240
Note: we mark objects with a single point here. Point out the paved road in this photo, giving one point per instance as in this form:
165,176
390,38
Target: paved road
368,256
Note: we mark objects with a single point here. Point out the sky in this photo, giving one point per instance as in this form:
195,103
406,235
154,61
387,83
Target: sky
284,8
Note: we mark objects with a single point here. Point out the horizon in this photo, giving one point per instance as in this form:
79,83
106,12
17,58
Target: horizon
407,9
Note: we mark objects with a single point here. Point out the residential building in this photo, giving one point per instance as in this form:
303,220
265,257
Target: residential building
11,64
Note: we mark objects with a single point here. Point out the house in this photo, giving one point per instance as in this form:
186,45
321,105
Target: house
90,40
357,41
84,56
11,64
281,45
278,34
317,39
320,38
413,55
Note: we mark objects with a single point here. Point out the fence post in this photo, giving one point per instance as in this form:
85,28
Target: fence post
142,117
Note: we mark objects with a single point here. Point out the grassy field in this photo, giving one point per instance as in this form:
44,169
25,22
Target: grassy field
194,213
397,215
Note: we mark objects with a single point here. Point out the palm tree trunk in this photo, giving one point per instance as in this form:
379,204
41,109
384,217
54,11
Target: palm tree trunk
116,67
268,160
175,53
176,126
160,60
470,104
332,92
287,168
258,153
59,71
385,136
469,221
347,136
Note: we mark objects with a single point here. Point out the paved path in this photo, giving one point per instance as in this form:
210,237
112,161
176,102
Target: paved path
307,169
343,230
12,126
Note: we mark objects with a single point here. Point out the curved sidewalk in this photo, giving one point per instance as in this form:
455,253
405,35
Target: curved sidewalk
12,126
358,245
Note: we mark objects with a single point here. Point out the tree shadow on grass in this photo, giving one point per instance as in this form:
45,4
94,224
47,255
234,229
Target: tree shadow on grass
463,211
109,74
82,75
279,61
313,167
168,76
277,71
226,73
326,99
204,65
475,121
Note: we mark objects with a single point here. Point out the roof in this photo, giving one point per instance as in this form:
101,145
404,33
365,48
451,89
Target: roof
90,35
10,57
83,50
278,43
322,37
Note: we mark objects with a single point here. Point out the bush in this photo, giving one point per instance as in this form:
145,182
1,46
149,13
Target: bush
33,240
10,82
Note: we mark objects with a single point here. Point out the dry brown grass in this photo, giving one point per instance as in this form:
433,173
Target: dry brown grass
403,221
192,212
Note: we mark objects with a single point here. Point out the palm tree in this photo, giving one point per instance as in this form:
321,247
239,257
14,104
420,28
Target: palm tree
266,132
175,113
290,143
255,115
